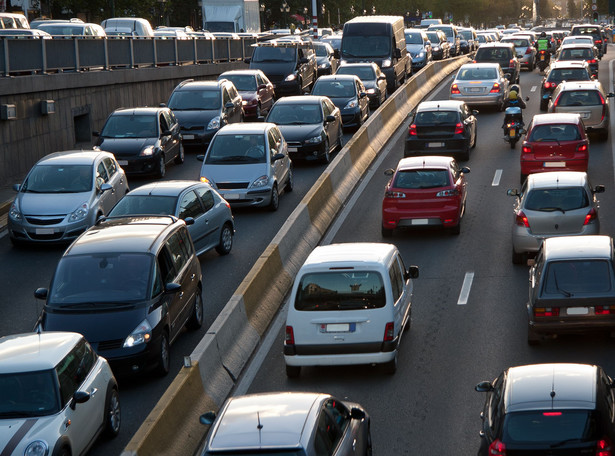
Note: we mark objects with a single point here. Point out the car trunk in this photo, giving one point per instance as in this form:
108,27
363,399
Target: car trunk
591,114
556,222
554,151
476,87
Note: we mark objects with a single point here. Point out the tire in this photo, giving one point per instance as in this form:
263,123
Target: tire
532,338
275,199
164,356
456,229
517,258
391,367
326,157
181,156
513,143
293,371
386,233
290,182
226,240
340,139
113,412
544,104
196,319
162,167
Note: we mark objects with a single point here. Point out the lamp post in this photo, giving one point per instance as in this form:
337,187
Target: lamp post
262,16
305,17
285,9
373,10
351,11
322,11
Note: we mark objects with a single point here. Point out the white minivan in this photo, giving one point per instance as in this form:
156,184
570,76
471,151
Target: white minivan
349,305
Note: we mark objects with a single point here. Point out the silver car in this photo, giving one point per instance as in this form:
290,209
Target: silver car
213,225
526,52
63,195
558,203
248,164
480,84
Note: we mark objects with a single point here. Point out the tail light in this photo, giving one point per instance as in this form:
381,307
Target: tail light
591,62
590,217
459,129
598,41
546,311
511,124
289,339
603,106
495,88
582,148
497,448
550,85
526,149
511,64
389,331
473,61
394,195
604,310
528,51
556,102
450,192
455,89
521,219
412,130
227,204
603,447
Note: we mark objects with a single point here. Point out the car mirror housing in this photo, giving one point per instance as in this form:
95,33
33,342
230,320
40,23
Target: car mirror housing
389,172
531,262
330,118
357,413
172,287
41,293
247,60
303,61
484,387
189,221
96,134
166,133
599,189
229,105
277,157
207,418
465,170
512,192
413,272
79,398
397,53
16,187
200,157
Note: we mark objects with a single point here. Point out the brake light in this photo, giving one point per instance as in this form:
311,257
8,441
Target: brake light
556,101
590,217
521,219
591,62
550,85
582,148
546,311
459,128
395,195
541,52
603,447
511,64
455,89
450,192
497,448
227,204
289,339
551,413
604,310
603,106
412,130
598,41
526,149
495,88
389,331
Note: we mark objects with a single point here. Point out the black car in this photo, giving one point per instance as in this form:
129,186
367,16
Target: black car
374,80
129,285
348,93
203,107
440,47
548,409
311,126
559,72
468,40
444,127
143,140
325,58
502,53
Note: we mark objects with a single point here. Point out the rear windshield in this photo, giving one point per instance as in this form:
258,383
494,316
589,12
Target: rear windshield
553,426
493,54
274,54
433,37
422,178
469,74
579,98
334,89
556,199
243,82
466,34
576,54
448,31
517,42
340,290
144,205
568,74
414,38
576,278
555,132
436,118
365,73
585,31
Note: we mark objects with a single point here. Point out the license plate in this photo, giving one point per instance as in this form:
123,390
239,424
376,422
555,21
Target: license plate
337,327
435,144
512,133
188,136
293,149
474,89
122,162
542,57
554,164
420,221
577,311
231,196
44,231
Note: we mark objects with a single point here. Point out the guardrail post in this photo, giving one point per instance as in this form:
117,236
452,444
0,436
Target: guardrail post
44,55
5,43
106,52
176,53
132,53
155,48
228,47
213,50
76,51
194,51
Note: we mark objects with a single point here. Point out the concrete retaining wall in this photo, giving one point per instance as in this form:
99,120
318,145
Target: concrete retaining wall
235,334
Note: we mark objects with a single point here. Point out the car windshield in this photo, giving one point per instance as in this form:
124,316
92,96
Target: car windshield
144,205
236,149
340,290
59,179
321,51
554,427
334,89
466,34
568,74
294,114
242,82
274,54
414,38
28,394
556,199
476,73
197,100
571,278
576,54
579,98
132,126
100,279
62,29
433,37
421,178
555,133
365,73
258,452
436,118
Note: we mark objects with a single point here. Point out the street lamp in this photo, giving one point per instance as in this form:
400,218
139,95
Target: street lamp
285,9
262,15
373,10
322,10
351,11
305,16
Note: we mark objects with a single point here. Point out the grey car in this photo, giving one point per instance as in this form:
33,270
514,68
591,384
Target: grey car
63,195
526,53
374,80
480,84
213,225
248,164
558,203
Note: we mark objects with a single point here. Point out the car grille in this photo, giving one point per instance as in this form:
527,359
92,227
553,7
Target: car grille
293,143
192,128
44,221
110,344
45,237
232,185
274,78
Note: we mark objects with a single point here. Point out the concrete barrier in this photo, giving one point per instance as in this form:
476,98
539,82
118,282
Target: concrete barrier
231,340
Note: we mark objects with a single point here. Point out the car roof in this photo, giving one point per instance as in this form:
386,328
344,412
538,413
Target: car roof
556,179
496,44
571,247
202,85
480,65
265,420
365,254
246,128
300,99
359,64
568,64
73,157
551,386
166,188
444,105
136,111
555,118
584,85
242,72
30,352
575,46
338,77
425,161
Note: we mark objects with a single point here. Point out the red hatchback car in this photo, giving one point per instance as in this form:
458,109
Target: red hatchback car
424,191
555,142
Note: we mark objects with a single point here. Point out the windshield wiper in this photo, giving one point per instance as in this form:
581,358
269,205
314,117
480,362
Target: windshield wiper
561,290
552,209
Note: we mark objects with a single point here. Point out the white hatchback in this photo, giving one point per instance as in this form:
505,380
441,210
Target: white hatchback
56,395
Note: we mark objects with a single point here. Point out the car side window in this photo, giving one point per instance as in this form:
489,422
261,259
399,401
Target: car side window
73,370
177,251
608,395
325,109
397,281
111,166
165,263
186,242
494,403
225,96
157,285
233,92
101,174
189,206
167,119
330,105
207,198
163,124
328,433
273,146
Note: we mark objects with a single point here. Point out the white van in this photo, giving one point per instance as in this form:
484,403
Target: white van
349,305
127,26
13,21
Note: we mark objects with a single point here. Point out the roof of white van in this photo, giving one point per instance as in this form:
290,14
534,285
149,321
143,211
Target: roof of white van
350,254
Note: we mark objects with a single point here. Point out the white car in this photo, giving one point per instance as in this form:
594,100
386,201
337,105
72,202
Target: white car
56,395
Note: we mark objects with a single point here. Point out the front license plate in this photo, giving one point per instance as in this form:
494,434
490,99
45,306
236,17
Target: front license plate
293,149
231,196
577,311
122,162
188,136
542,57
554,164
338,327
435,144
44,231
420,221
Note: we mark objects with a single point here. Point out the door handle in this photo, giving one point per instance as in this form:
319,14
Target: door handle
181,294
93,392
192,276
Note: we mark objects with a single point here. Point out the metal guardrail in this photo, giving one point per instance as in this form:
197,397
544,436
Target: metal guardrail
27,55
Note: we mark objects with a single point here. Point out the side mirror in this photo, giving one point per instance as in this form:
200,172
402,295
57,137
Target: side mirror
79,398
610,95
508,76
16,187
105,187
247,60
519,56
277,157
229,105
336,53
261,87
330,118
475,112
599,189
531,262
41,293
397,53
172,287
389,172
465,170
484,387
166,133
207,418
413,272
382,77
163,105
527,98
189,221
512,192
427,43
357,413
96,134
362,95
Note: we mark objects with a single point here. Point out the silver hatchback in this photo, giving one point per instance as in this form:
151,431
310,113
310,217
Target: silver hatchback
561,203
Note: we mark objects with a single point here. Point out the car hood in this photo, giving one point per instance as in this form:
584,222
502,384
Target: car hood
234,173
247,95
300,132
370,84
414,48
341,102
124,147
274,68
189,119
42,429
51,203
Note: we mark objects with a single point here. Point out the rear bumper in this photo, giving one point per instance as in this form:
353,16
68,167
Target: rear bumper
480,100
528,167
524,241
443,216
435,146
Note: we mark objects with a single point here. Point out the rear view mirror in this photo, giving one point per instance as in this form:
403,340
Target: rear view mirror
207,418
413,272
330,118
389,172
513,192
599,189
229,105
247,60
465,170
484,387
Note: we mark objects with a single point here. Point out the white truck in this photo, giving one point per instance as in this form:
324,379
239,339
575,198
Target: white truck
231,16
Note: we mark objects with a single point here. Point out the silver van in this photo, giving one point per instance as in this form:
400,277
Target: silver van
128,26
349,305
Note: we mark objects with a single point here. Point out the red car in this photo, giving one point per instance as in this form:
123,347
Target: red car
255,89
424,191
555,142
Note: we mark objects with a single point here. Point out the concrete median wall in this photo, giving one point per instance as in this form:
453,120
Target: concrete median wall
231,340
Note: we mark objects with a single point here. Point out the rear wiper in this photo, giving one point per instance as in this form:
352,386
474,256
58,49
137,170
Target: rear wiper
552,209
561,290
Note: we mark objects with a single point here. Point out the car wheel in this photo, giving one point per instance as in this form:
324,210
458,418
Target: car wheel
604,134
517,258
162,167
391,367
475,137
259,114
181,156
293,371
544,104
164,355
326,157
196,319
290,182
386,232
275,199
465,155
340,139
532,337
226,240
113,414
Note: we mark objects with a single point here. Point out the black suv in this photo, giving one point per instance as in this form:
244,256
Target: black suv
129,285
502,53
203,107
290,65
548,409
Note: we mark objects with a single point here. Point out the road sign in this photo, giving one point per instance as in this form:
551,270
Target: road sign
594,7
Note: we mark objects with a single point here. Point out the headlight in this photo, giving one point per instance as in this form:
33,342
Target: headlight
343,62
147,151
291,77
96,148
140,335
371,91
14,212
205,180
244,102
436,48
79,214
214,123
37,448
260,182
421,54
386,63
314,140
324,65
351,104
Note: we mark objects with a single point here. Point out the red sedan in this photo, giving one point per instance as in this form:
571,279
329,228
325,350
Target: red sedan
555,142
424,191
255,89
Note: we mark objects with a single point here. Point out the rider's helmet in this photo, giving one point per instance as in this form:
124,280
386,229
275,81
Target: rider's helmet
516,88
512,95
543,34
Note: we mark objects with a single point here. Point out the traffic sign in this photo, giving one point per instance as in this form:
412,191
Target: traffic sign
594,7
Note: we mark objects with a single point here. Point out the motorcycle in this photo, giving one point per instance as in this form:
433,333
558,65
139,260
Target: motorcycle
543,60
513,125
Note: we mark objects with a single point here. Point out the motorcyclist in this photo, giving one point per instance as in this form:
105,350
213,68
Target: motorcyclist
544,44
514,100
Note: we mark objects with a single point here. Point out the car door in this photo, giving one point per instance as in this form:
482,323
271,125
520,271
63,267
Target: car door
265,92
174,128
363,100
168,146
237,111
281,167
331,128
117,180
189,205
214,214
179,273
106,200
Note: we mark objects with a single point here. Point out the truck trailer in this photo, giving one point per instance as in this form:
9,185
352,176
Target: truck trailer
231,16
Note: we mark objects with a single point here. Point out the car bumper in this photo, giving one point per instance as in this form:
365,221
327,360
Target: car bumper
343,354
445,216
287,88
576,326
524,241
528,167
198,139
306,152
435,146
480,100
58,233
249,110
139,165
351,117
247,197
127,361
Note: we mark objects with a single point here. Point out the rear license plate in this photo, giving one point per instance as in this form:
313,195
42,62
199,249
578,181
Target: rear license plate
293,149
542,57
337,327
188,136
474,89
435,144
554,164
420,221
44,231
122,162
231,196
577,311
512,133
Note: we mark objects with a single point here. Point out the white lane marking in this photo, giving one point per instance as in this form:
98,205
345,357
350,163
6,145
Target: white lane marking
533,89
496,178
465,289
